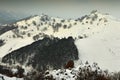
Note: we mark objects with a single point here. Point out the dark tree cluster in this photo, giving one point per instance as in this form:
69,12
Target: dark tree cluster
56,26
44,18
34,23
45,53
8,71
2,42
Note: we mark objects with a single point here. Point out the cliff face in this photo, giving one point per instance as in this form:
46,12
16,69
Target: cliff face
43,54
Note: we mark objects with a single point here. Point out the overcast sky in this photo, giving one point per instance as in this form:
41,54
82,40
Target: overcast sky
61,8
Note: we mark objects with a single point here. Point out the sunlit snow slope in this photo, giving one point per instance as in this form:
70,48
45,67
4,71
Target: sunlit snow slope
103,48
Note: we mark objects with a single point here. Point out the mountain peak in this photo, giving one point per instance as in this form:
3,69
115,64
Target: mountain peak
97,15
98,12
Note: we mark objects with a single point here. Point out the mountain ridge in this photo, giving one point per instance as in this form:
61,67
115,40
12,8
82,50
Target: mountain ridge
39,26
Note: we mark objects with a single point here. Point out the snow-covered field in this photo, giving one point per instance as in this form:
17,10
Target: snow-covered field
103,48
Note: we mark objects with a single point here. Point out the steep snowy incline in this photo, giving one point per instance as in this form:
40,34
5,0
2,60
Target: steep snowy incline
103,48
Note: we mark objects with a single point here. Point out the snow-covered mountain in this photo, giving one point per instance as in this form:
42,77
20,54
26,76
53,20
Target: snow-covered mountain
96,36
36,27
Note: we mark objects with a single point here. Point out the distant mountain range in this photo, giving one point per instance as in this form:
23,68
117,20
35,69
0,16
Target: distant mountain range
7,17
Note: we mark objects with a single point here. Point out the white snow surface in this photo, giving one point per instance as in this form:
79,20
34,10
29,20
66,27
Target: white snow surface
103,48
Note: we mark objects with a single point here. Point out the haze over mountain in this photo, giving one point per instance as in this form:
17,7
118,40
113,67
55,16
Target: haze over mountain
7,17
62,8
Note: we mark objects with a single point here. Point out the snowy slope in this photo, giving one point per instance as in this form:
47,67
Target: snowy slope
37,27
103,48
